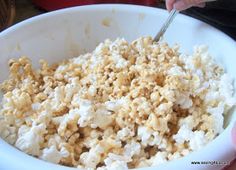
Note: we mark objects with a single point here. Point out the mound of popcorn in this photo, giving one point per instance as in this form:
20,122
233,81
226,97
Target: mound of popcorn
124,105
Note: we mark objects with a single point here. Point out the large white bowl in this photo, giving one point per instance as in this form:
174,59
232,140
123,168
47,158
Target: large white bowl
69,32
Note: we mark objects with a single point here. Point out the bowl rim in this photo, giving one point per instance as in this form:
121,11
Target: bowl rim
111,6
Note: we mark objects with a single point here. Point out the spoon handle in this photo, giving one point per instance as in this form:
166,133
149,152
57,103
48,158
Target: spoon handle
163,29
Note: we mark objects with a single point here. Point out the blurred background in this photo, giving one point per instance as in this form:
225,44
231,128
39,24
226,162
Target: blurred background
221,14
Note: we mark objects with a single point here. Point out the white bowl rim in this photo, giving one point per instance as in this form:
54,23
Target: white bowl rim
19,156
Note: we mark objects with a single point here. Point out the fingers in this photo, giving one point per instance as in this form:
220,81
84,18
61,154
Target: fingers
185,4
201,5
170,4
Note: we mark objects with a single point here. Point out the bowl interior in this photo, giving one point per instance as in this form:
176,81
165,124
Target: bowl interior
70,32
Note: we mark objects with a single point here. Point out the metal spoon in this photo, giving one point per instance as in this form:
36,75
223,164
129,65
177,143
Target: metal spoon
164,27
169,20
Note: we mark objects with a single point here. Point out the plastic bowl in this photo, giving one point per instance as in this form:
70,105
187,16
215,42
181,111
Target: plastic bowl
66,33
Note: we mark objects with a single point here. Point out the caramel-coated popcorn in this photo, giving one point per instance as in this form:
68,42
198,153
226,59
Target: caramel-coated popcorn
121,106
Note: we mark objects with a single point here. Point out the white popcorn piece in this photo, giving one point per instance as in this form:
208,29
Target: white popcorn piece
92,158
81,60
51,154
119,61
184,134
148,136
176,155
115,105
227,90
159,158
125,133
43,117
30,141
55,140
92,90
144,134
184,101
132,149
114,162
176,71
70,90
71,118
188,122
217,113
198,140
36,106
102,118
85,112
59,95
163,108
89,160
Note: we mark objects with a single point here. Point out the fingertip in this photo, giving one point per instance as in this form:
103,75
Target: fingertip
201,5
169,4
180,5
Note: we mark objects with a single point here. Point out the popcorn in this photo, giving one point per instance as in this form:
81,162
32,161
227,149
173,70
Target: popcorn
184,101
184,134
159,158
132,149
101,119
124,105
125,134
51,154
198,140
116,162
148,136
115,105
176,155
20,99
89,159
93,157
35,106
7,132
119,61
70,119
115,165
227,90
188,122
30,141
85,112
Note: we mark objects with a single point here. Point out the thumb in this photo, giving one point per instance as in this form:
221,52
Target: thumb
185,4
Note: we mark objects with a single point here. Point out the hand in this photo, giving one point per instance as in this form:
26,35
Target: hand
184,4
